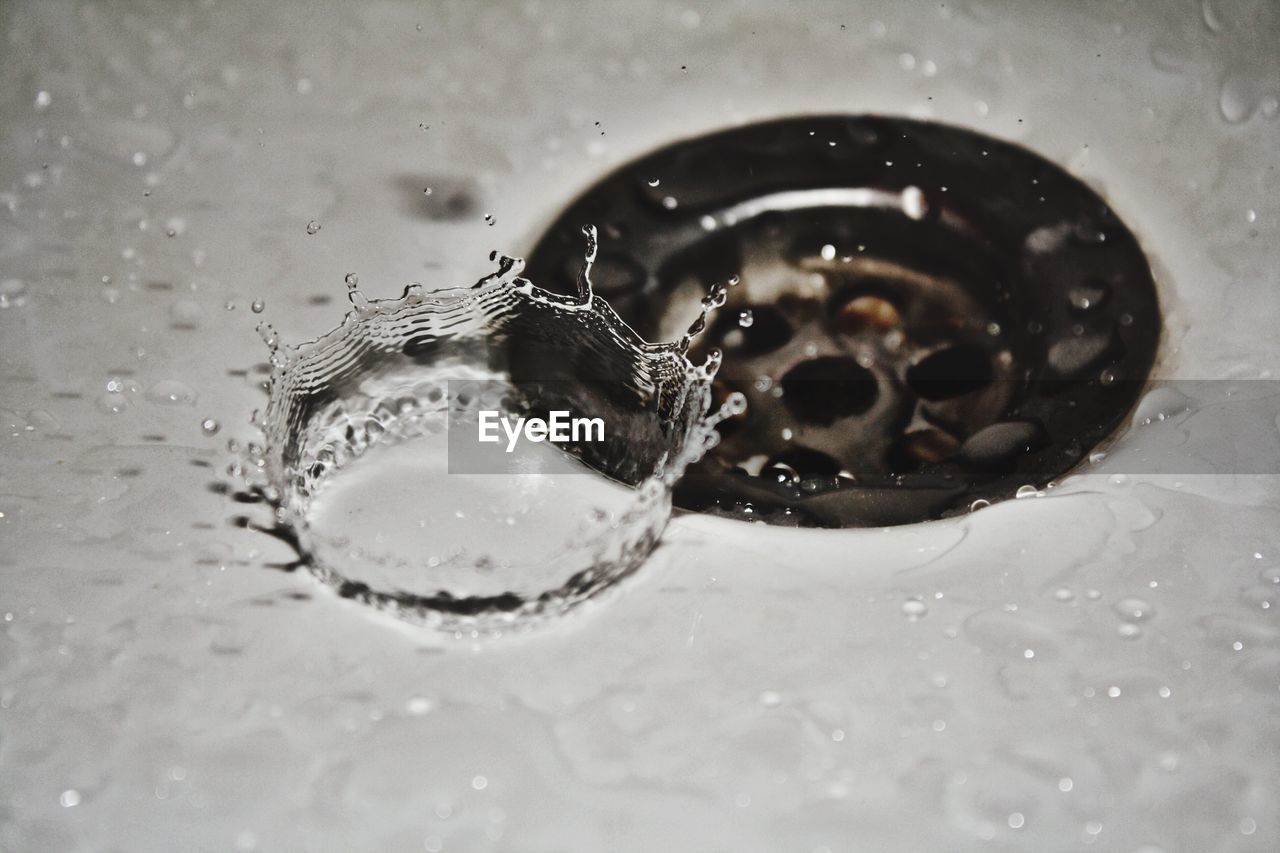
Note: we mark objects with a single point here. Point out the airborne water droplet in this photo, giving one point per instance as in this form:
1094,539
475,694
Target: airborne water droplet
257,306
313,227
210,426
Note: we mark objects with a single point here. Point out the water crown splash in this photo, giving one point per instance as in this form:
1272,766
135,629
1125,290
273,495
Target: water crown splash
369,458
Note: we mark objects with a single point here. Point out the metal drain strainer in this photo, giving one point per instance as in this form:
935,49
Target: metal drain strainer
925,317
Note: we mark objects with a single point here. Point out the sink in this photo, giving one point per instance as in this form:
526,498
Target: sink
1093,664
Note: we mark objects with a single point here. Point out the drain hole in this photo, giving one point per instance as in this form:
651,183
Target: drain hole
950,373
823,390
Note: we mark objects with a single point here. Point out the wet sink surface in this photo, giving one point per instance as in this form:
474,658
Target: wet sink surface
1098,667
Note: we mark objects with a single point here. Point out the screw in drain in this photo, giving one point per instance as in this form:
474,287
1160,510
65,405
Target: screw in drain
925,316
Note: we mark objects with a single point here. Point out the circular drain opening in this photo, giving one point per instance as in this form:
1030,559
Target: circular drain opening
924,317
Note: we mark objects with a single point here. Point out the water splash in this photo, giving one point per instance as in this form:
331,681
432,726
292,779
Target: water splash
360,461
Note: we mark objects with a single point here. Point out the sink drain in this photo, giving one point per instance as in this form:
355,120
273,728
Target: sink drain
925,317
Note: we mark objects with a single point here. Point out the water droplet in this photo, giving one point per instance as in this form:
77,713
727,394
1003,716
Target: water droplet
43,100
257,306
313,227
828,252
1238,99
653,182
352,280
488,217
1063,594
13,292
210,426
1027,491
914,608
69,798
980,503
746,319
479,783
